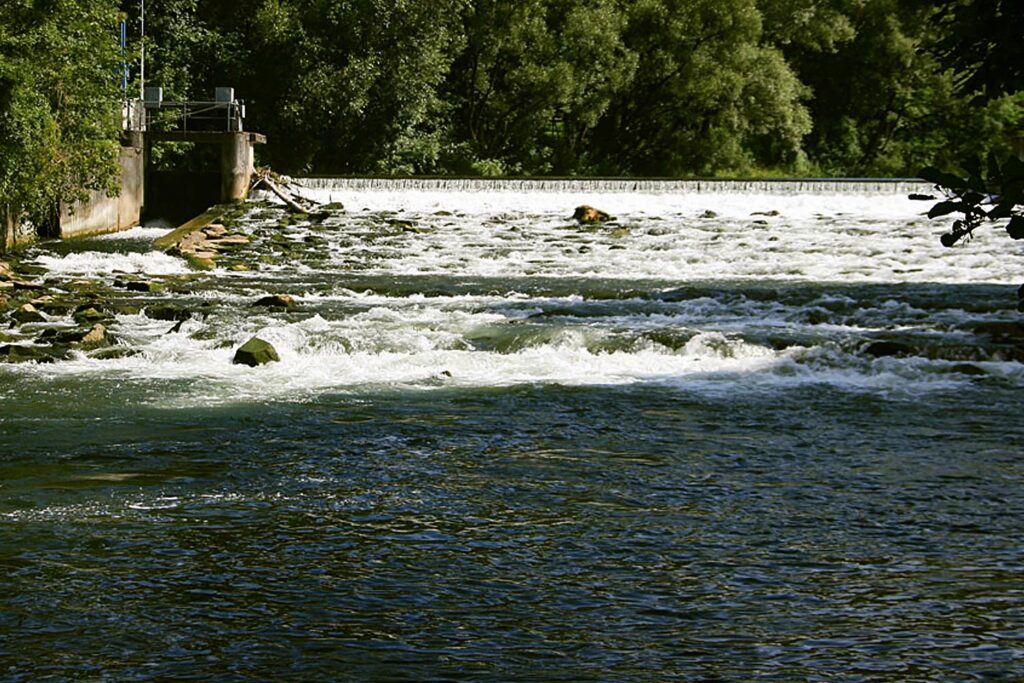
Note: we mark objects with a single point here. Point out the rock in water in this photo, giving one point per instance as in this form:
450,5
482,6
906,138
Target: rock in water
588,214
276,301
28,314
96,336
882,349
255,352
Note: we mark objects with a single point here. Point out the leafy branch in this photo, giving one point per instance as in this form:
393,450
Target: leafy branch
984,195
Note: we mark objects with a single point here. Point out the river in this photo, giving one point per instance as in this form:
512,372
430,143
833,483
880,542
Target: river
737,434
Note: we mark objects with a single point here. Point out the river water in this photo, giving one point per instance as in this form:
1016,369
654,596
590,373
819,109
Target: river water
501,446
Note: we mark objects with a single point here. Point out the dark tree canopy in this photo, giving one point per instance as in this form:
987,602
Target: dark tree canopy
982,41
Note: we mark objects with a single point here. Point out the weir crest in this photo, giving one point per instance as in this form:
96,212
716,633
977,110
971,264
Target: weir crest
855,186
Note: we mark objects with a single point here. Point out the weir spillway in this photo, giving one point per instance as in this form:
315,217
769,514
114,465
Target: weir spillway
785,186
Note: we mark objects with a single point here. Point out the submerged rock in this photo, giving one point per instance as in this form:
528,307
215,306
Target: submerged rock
969,369
114,353
14,353
255,352
880,349
588,214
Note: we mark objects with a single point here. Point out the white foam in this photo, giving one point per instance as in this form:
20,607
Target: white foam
94,263
350,340
848,238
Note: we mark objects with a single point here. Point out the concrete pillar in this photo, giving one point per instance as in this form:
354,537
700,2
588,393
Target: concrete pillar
7,232
236,167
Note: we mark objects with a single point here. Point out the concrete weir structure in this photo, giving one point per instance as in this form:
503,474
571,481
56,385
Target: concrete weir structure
100,213
236,157
152,121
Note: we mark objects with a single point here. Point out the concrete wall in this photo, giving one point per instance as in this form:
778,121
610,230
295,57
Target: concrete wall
7,230
100,213
13,232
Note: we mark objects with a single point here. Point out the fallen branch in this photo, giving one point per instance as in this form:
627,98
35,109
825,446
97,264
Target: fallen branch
263,177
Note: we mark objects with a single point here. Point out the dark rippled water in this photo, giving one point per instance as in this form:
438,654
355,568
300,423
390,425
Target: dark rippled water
632,479
528,533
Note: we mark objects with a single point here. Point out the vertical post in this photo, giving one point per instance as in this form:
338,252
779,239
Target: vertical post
235,167
142,49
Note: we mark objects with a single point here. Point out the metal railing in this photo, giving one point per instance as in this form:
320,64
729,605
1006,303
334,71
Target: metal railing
195,116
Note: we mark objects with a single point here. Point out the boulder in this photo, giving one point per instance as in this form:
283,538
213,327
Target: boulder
255,352
228,241
215,230
90,338
89,313
709,214
276,301
588,214
28,314
27,286
95,337
165,312
144,286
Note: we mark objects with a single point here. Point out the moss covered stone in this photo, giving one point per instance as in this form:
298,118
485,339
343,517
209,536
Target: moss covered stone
255,352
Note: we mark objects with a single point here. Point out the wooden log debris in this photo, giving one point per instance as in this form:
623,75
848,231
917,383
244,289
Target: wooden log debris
295,202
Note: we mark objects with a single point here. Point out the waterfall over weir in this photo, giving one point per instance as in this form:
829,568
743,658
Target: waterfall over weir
786,186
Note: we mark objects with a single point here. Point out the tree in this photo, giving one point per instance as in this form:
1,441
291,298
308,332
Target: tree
982,42
708,96
533,81
59,102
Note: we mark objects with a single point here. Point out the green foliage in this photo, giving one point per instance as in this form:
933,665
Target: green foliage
650,87
59,102
993,192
